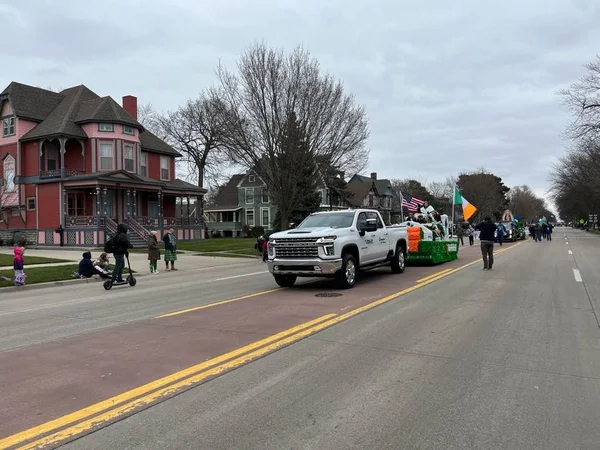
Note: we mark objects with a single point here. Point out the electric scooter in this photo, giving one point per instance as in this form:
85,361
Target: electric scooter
130,280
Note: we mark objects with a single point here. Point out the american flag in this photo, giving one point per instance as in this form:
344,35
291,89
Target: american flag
411,203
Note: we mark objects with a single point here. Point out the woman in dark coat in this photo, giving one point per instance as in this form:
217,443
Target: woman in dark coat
153,252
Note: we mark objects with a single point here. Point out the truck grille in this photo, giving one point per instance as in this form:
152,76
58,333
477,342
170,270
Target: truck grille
296,248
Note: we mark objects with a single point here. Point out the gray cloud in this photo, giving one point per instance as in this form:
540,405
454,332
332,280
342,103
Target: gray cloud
448,86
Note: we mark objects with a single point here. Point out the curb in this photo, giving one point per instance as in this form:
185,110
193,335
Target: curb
33,287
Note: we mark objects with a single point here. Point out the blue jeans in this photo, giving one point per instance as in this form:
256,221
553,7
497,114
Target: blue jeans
119,266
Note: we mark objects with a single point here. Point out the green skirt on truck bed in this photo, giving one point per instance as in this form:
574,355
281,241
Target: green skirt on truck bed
433,252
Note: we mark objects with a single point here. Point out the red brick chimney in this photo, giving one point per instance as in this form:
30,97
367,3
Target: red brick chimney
374,175
130,105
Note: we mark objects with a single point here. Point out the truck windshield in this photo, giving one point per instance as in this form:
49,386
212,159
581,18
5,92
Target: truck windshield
329,220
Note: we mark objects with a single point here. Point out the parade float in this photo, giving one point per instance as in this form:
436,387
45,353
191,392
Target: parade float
429,240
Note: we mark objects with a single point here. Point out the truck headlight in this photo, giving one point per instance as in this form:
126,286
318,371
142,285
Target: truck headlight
326,239
329,250
271,250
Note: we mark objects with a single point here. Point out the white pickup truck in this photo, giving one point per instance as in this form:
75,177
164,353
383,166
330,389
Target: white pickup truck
336,244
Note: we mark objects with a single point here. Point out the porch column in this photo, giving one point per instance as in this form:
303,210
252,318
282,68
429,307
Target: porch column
63,143
65,206
98,206
181,210
160,210
134,203
41,149
104,201
189,218
128,204
82,155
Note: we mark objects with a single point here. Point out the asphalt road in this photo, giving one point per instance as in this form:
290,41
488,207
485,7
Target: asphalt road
502,359
36,316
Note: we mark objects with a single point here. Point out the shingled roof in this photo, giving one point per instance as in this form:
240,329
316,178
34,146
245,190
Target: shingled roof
30,102
104,109
63,113
60,121
356,192
380,184
228,195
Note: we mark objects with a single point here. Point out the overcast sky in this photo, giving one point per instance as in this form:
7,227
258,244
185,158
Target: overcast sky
449,86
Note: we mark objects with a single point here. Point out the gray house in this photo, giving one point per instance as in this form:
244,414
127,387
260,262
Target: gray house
245,201
378,192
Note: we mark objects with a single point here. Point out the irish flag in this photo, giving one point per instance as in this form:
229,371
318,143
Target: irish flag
468,208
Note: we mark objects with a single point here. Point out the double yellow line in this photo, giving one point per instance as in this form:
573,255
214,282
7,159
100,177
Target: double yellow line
84,420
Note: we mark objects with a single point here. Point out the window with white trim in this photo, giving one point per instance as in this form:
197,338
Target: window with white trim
128,130
9,174
249,196
107,157
128,158
165,168
251,178
264,196
8,126
107,127
265,217
250,217
144,164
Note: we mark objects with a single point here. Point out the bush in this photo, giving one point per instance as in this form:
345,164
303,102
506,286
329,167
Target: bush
257,231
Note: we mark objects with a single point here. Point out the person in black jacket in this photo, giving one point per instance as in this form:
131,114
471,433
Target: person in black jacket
486,229
121,248
86,267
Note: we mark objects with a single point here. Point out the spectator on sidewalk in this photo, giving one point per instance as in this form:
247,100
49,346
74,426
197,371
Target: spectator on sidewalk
87,269
19,264
487,229
101,264
170,248
153,252
460,232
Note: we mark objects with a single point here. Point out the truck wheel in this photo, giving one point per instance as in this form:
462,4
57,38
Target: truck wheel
398,261
285,280
346,277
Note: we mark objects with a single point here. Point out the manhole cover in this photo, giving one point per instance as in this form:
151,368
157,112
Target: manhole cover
329,294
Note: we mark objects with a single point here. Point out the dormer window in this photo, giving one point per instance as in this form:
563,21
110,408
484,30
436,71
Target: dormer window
8,126
128,130
106,127
252,178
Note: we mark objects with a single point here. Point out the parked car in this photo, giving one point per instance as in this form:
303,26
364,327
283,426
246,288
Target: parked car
336,244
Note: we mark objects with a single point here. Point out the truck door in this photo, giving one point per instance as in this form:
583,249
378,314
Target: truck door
367,241
381,244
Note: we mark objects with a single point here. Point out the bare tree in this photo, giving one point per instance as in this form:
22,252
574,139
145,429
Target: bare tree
259,99
582,99
525,204
196,131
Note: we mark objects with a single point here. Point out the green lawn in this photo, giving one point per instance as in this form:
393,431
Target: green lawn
7,260
235,245
44,274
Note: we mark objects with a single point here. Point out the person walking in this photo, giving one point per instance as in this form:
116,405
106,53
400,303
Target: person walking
460,232
153,252
170,248
471,234
500,230
549,232
19,264
538,232
486,229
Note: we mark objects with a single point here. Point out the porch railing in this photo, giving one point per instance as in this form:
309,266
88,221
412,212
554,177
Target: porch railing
84,221
57,173
111,225
137,228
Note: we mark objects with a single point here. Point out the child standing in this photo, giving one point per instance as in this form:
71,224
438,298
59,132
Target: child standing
153,252
265,250
18,265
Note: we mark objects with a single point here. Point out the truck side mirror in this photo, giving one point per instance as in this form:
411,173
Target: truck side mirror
370,226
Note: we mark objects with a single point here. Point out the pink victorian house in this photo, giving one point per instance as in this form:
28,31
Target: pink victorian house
83,163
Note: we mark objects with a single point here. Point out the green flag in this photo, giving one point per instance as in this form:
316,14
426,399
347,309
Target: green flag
457,196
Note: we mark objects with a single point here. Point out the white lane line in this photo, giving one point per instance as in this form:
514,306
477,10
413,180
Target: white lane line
240,276
570,252
577,275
